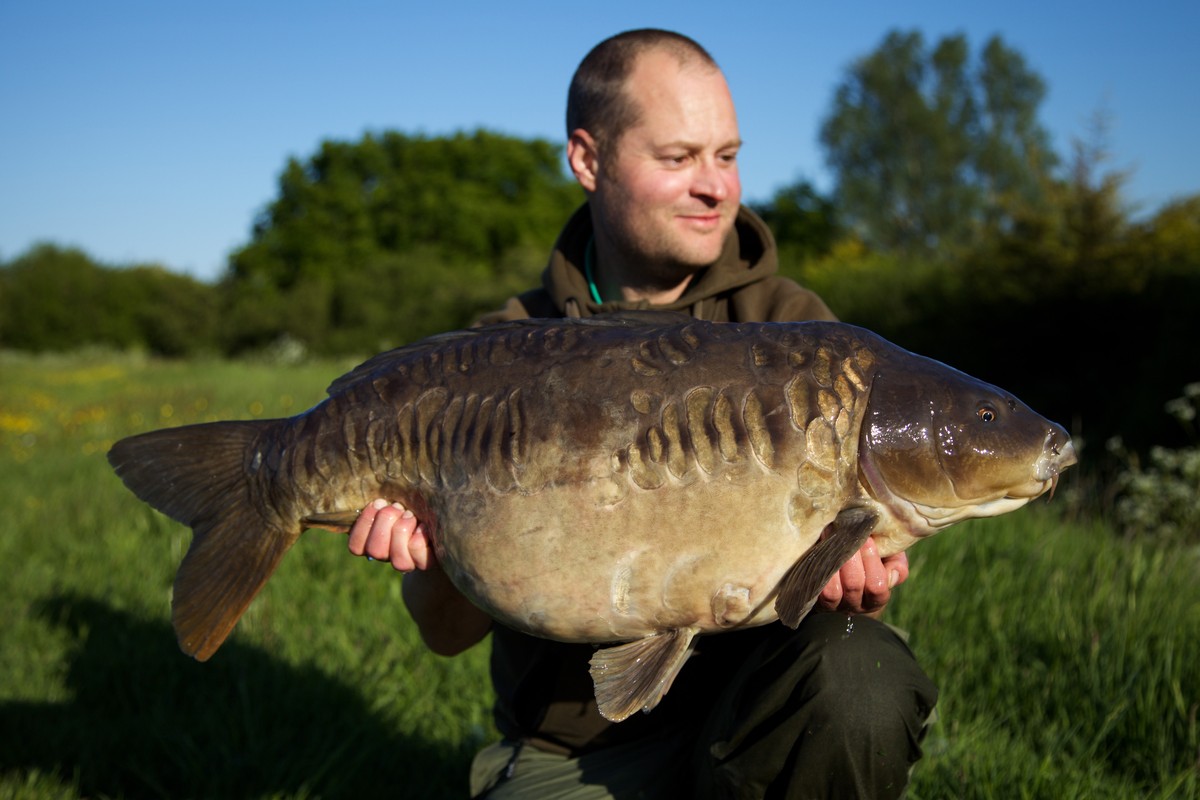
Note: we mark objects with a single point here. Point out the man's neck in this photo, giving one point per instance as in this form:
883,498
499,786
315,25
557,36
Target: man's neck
614,279
655,296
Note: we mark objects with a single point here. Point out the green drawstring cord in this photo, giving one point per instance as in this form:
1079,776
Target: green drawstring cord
588,255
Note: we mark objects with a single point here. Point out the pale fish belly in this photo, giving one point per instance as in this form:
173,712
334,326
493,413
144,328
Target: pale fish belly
607,561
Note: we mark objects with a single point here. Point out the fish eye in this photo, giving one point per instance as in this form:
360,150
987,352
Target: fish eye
987,414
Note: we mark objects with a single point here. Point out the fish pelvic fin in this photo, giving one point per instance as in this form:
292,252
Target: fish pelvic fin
635,676
336,521
198,475
803,582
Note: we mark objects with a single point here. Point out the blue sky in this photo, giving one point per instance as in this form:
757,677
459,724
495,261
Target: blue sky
154,131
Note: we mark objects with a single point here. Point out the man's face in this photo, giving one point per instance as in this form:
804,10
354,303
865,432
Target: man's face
666,192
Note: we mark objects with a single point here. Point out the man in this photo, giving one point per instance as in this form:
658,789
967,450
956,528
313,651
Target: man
833,709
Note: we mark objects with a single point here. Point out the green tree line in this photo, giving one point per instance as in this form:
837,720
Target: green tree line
952,228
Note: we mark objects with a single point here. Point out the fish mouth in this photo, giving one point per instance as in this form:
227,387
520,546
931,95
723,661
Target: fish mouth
1054,460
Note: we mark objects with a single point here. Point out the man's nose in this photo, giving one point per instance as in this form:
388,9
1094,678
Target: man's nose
711,180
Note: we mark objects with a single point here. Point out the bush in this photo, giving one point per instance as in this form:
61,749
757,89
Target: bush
55,298
1160,500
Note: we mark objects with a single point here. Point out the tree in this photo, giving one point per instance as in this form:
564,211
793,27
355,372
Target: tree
805,223
361,232
931,152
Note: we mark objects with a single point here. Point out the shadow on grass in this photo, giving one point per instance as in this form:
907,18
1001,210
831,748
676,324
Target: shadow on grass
144,721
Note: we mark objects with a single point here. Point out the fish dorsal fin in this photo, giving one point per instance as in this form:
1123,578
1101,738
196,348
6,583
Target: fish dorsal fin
636,317
386,362
802,583
635,676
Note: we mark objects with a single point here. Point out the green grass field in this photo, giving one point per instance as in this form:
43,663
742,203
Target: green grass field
1068,660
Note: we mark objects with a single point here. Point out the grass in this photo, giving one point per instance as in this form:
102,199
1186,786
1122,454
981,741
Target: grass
1068,660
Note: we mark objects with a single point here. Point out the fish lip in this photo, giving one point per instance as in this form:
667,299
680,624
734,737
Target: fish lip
1055,459
1067,456
1050,465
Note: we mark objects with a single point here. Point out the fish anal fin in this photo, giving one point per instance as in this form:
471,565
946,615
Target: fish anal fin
224,569
634,676
803,582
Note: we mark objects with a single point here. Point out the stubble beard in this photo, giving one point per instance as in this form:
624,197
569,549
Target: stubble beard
663,260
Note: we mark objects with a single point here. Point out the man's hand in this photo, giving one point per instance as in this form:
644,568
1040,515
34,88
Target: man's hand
449,623
865,582
389,532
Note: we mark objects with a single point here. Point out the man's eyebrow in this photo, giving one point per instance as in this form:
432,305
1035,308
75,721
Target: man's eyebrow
685,144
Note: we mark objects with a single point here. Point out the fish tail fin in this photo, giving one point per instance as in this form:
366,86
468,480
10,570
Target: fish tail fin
200,475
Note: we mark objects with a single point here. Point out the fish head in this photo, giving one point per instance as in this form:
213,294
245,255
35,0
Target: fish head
939,446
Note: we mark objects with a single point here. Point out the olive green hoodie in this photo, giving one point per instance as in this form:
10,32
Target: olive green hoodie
742,286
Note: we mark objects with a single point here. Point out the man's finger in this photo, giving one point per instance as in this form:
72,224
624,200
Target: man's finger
418,548
400,536
831,596
875,589
361,529
379,540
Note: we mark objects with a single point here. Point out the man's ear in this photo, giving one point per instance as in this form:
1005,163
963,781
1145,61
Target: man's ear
583,158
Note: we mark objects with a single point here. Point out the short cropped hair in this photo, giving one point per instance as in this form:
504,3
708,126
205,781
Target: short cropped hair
597,101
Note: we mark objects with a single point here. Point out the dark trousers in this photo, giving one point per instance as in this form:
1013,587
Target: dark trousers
834,709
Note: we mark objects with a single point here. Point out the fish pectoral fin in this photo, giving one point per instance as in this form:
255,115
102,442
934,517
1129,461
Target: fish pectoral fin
802,584
635,676
336,521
